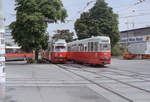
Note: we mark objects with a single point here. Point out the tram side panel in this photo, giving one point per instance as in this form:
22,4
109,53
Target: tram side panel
91,57
91,51
14,53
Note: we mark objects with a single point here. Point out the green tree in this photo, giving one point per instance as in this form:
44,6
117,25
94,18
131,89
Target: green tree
98,21
64,34
8,44
32,16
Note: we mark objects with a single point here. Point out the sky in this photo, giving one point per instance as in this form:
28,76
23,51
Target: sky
131,14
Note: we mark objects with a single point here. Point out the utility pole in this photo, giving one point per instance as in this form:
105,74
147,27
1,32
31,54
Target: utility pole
127,42
2,43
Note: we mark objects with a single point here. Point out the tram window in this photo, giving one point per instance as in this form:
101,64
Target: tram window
100,47
82,48
9,50
104,46
78,48
60,49
72,48
75,49
13,51
92,46
20,51
69,49
96,46
89,46
85,49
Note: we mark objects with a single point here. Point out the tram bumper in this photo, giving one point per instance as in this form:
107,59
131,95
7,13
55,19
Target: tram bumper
105,61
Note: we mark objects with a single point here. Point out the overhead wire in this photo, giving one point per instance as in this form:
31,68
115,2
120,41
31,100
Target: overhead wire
132,6
129,16
81,11
92,1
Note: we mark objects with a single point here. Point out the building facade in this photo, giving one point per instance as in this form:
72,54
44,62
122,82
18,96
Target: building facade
2,47
8,37
135,35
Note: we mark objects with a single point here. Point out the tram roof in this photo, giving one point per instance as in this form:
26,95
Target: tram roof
60,41
13,47
91,39
57,41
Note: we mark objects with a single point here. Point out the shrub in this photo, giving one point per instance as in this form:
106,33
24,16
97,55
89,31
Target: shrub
40,61
118,50
30,60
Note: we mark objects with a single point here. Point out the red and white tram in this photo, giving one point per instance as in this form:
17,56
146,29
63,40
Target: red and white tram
56,52
15,53
95,50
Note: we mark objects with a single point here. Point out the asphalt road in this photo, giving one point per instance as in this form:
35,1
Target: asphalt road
122,81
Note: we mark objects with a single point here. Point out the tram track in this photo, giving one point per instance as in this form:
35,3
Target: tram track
134,75
122,82
93,82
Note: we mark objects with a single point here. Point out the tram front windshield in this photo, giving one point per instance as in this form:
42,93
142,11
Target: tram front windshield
105,47
60,49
